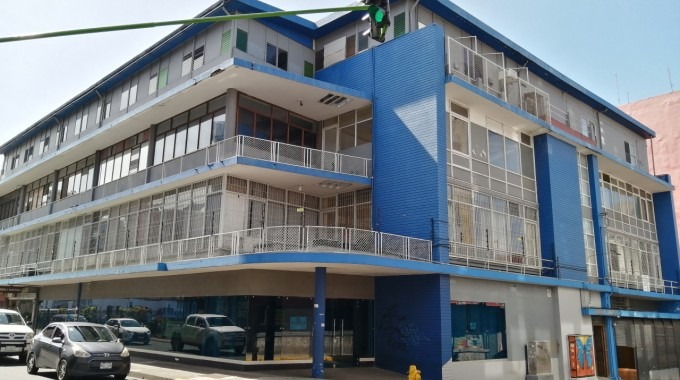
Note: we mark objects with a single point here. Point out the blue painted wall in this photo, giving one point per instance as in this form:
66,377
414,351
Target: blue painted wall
406,78
666,230
559,200
412,323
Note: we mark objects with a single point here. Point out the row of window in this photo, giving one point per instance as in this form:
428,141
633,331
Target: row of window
492,223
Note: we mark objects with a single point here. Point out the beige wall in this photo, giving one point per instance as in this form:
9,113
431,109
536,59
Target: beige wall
231,283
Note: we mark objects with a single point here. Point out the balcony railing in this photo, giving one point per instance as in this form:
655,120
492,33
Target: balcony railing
238,146
479,257
497,80
258,240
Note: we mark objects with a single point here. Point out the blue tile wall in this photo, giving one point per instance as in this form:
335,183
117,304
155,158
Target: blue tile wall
412,323
407,80
666,230
559,201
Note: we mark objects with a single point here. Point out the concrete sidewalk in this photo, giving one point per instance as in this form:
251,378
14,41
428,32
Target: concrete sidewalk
172,371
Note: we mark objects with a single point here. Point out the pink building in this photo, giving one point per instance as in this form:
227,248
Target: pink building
662,114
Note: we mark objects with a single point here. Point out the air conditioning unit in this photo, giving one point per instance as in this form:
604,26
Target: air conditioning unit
509,75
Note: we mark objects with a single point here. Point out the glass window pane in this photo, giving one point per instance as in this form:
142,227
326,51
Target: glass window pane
270,55
347,137
459,136
125,169
117,165
512,155
246,119
219,122
205,134
143,156
169,146
263,127
496,151
180,142
192,137
242,40
158,150
295,136
364,133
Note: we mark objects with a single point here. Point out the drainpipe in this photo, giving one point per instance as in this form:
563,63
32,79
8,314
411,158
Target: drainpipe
414,20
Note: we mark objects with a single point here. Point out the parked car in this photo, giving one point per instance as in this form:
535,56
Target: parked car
210,333
67,318
128,330
78,349
15,335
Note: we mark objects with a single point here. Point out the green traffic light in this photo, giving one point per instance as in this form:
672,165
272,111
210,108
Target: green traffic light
376,13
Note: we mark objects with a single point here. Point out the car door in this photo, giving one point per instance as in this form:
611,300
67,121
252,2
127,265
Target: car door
52,350
41,344
199,330
114,326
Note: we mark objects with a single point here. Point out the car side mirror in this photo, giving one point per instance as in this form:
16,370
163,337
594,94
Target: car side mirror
29,323
116,325
57,340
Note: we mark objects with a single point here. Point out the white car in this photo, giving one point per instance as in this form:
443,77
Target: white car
15,335
128,330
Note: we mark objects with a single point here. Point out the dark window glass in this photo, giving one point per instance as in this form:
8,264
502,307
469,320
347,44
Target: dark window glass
271,54
283,60
246,119
309,69
242,40
218,127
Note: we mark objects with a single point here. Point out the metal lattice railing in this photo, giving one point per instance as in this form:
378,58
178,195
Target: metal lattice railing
269,239
238,146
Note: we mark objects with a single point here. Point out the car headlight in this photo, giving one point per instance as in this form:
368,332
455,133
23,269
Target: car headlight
79,352
125,353
30,336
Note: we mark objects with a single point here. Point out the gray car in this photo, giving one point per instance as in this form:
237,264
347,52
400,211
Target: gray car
78,349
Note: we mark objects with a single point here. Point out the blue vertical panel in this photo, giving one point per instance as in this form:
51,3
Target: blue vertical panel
559,200
598,219
355,72
413,323
319,332
666,230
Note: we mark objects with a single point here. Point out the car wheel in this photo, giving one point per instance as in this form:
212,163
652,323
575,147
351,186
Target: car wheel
30,364
211,348
62,370
119,377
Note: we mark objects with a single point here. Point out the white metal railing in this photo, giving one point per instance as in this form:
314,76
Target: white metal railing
495,79
257,240
473,256
242,146
643,282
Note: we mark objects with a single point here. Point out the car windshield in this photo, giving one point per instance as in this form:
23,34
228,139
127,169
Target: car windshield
219,321
90,334
10,319
129,323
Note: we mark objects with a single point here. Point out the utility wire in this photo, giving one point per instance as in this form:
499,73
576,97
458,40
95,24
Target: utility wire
146,25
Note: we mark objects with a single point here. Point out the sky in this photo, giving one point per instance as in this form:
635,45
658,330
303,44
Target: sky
621,50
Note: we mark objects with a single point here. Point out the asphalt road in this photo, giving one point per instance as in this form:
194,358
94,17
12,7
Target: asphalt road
12,368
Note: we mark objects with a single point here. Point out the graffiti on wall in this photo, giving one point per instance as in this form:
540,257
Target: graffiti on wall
401,333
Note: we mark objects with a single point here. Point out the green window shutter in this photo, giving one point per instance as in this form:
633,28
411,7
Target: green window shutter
309,70
242,40
399,24
226,42
163,78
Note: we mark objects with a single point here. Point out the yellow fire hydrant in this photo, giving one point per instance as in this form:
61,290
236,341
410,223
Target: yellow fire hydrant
413,373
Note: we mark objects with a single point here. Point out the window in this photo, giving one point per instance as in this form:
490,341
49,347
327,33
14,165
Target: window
588,128
163,78
15,161
28,154
583,180
124,99
133,94
309,70
44,145
399,24
459,135
631,152
350,46
63,131
362,41
226,42
153,83
277,57
242,40
478,330
198,57
81,123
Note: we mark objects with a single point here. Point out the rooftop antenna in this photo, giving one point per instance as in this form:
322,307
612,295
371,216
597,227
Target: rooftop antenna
618,97
669,77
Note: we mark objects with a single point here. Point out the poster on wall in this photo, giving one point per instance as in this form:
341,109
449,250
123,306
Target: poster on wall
581,356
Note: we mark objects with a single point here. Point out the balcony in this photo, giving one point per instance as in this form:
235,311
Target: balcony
238,146
478,257
312,239
506,84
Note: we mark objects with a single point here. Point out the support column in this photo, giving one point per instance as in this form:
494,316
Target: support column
319,331
602,261
78,298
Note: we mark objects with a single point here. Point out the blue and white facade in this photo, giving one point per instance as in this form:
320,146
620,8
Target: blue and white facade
443,199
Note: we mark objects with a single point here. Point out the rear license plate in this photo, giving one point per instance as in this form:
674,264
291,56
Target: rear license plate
105,365
10,349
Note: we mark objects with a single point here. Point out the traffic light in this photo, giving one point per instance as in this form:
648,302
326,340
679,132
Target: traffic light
379,14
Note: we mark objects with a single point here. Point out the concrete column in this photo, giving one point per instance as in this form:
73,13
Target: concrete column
602,261
319,331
